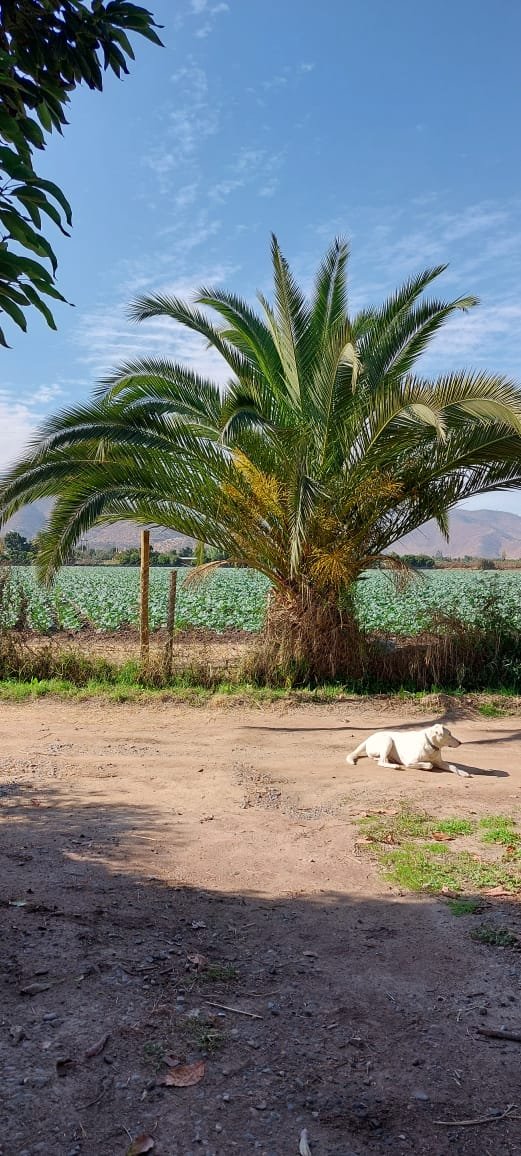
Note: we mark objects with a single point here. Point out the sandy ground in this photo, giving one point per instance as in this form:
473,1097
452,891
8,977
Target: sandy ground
138,842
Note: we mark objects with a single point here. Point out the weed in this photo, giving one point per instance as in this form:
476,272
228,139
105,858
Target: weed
464,906
154,1052
405,845
204,1035
219,973
495,936
490,710
499,829
454,826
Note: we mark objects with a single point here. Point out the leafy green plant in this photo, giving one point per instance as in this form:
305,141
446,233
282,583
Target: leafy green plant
47,49
495,936
500,829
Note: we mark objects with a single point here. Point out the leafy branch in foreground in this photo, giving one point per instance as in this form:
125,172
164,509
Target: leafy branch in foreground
47,49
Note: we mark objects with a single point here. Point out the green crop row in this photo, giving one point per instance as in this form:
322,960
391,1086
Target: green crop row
107,599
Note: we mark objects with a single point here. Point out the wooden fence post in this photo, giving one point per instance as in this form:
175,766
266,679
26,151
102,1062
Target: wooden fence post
144,635
170,623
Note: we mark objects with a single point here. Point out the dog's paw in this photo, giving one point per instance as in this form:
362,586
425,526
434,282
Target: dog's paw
351,761
460,772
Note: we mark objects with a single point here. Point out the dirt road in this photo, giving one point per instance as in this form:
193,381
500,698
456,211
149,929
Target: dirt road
160,860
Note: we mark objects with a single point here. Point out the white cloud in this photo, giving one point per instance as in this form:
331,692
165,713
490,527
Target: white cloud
105,338
192,119
208,12
20,417
270,188
18,424
47,393
251,167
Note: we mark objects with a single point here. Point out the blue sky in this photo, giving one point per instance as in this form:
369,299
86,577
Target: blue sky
396,125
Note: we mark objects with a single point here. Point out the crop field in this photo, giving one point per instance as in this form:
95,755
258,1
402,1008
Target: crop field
106,598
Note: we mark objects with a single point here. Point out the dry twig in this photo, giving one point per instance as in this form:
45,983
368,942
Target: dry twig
238,1010
479,1119
499,1034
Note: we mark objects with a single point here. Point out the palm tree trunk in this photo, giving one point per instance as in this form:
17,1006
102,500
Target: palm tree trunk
306,640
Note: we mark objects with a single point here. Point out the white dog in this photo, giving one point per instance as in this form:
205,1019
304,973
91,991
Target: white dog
418,749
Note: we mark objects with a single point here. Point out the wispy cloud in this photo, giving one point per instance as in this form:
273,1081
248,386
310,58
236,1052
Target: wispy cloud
106,339
289,76
208,12
252,167
191,120
20,418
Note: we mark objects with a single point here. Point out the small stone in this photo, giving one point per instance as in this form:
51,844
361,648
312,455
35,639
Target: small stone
226,1097
420,1095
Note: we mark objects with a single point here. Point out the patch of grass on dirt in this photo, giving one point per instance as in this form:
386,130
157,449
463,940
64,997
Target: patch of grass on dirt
500,829
154,1052
414,850
203,1034
464,906
491,710
219,973
495,936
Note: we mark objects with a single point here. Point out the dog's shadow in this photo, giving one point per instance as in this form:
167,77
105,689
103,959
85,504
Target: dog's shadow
491,773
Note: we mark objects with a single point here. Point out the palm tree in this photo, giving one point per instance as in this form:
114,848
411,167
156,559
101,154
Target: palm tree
320,453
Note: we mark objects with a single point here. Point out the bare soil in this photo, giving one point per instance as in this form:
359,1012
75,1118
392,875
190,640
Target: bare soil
159,860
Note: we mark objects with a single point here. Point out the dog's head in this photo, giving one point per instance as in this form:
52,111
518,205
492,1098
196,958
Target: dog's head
440,736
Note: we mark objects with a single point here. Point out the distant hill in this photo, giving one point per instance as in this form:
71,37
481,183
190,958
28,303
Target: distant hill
31,520
477,533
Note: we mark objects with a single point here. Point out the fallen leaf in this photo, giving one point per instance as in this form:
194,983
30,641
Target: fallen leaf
442,836
96,1049
140,1144
184,1075
495,891
171,1061
34,988
450,893
199,961
304,1149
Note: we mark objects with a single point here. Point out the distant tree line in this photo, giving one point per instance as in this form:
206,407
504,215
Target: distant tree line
17,550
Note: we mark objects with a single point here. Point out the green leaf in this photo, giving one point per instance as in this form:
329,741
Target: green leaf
14,312
55,192
20,231
36,300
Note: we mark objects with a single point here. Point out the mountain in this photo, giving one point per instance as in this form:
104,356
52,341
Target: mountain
477,533
31,520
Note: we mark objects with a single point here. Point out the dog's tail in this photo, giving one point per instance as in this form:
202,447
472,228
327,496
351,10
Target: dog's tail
356,754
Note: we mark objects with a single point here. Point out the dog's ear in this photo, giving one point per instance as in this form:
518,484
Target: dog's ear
439,731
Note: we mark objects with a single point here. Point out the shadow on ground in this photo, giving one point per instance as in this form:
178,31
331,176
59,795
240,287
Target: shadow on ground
364,1015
